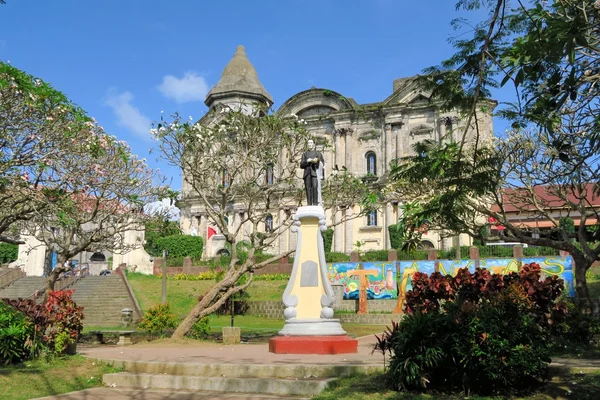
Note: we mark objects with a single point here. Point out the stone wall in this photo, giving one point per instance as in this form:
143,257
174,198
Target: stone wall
274,309
369,319
9,275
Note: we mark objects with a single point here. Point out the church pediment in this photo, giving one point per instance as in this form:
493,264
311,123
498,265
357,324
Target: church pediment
315,110
314,102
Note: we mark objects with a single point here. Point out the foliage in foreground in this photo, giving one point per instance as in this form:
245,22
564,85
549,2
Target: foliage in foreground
28,329
474,332
158,319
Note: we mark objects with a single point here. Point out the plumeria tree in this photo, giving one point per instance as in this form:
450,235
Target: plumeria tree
62,178
101,190
38,125
243,164
549,53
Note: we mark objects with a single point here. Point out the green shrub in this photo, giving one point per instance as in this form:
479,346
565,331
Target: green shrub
327,240
336,257
8,252
414,255
375,255
475,332
181,246
65,318
201,328
16,335
158,319
156,230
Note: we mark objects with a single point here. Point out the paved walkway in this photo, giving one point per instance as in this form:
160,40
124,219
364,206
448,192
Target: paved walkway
212,353
133,394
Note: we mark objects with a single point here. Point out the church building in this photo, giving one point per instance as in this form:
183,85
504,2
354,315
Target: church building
364,138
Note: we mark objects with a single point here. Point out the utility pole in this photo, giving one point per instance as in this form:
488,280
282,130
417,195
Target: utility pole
164,276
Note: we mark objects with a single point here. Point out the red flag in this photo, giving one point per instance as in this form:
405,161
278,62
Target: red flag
211,232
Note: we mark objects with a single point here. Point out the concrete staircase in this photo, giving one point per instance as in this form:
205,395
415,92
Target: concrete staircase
302,381
23,287
102,298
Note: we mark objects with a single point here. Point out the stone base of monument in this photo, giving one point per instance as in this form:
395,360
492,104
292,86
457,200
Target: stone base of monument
312,336
339,344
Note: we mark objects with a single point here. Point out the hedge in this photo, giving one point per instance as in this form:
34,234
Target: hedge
337,257
8,252
327,240
181,246
375,255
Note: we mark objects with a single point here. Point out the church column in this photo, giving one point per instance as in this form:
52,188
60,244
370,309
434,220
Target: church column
348,146
399,150
442,128
340,154
388,148
348,231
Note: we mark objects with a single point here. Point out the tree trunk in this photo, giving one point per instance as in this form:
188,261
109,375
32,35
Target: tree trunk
208,305
581,267
197,312
53,276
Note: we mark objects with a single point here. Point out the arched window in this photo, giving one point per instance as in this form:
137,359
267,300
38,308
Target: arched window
371,159
372,218
269,175
269,223
225,178
98,257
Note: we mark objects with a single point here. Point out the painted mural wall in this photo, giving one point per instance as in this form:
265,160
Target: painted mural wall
382,279
386,279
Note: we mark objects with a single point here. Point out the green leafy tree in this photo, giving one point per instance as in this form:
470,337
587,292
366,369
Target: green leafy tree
38,126
549,53
156,229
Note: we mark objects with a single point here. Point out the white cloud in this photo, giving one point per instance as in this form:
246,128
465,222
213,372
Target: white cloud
127,114
163,207
183,90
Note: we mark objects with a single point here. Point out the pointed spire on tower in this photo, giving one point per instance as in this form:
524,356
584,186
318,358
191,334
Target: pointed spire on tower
239,79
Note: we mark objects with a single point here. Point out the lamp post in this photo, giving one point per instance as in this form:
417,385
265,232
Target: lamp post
164,276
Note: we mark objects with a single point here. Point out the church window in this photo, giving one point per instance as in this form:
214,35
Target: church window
371,163
269,175
372,218
269,223
225,180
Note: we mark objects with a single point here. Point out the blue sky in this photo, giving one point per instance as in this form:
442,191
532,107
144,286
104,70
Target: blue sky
125,61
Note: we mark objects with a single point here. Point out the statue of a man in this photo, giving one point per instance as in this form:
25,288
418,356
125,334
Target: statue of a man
312,163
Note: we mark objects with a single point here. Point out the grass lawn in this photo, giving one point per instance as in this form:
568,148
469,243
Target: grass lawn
370,387
42,378
183,295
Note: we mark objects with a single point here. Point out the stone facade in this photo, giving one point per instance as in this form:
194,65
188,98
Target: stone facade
364,138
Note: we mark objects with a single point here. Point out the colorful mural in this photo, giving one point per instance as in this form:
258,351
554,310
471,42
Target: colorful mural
382,284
